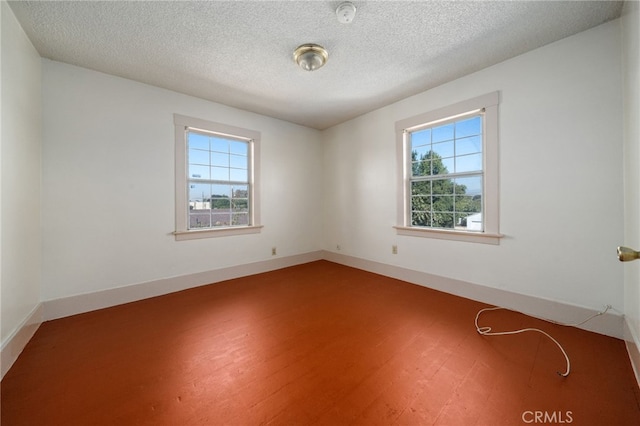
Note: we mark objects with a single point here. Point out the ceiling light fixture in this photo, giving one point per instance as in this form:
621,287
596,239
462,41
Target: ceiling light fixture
310,56
346,12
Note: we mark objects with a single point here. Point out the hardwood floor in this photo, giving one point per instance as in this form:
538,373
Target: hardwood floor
318,343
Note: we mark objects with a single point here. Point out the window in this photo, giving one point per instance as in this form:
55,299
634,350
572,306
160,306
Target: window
216,185
449,172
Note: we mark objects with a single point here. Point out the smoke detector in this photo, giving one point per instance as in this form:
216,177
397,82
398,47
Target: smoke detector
346,12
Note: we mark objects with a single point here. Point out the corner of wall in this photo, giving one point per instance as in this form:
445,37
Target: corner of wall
17,341
81,303
21,243
549,310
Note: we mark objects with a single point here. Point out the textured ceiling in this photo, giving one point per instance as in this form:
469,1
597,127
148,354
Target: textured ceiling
239,53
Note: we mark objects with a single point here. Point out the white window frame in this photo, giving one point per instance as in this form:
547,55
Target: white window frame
182,125
490,211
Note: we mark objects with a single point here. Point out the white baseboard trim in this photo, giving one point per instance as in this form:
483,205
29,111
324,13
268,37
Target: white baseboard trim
633,348
13,346
81,303
609,324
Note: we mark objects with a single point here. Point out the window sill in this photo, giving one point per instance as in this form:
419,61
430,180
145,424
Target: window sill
220,232
443,234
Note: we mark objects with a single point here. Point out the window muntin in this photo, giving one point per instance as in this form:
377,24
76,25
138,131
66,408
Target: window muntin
218,180
217,185
446,174
449,138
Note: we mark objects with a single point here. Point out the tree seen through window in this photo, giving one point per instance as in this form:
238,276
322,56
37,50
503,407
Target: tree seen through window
446,170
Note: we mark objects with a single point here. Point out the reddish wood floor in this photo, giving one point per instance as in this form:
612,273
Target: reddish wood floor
313,344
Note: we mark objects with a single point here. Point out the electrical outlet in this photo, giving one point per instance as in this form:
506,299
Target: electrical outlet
338,247
394,249
273,251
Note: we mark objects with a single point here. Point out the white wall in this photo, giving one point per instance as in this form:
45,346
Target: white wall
20,175
631,38
108,143
561,191
108,185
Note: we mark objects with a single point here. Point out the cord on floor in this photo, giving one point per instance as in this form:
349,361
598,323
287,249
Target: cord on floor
486,331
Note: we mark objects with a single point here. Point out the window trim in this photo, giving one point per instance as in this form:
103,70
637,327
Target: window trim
491,235
182,232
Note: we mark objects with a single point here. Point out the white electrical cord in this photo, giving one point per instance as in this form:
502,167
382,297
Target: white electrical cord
486,331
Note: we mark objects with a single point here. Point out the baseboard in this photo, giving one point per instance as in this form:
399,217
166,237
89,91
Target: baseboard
13,346
609,324
67,306
633,348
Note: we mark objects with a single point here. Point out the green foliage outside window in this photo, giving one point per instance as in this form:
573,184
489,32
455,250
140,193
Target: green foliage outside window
439,202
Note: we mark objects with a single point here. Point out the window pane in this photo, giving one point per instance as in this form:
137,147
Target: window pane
221,190
469,221
468,203
228,202
199,205
239,219
198,172
444,149
442,133
221,195
444,166
220,202
239,148
421,165
238,161
415,168
469,127
239,205
422,137
238,175
219,159
221,218
219,173
442,186
471,185
419,218
421,168
199,219
470,145
443,203
469,163
420,152
198,156
420,203
219,145
442,220
199,195
198,141
240,191
421,188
